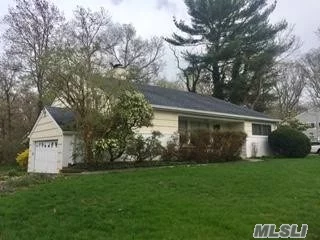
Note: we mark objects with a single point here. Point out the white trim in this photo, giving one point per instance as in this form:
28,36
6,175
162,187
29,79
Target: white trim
217,114
220,119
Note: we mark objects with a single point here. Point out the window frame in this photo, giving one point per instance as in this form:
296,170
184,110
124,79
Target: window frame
264,129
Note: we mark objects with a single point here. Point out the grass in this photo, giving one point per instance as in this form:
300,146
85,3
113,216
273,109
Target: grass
220,201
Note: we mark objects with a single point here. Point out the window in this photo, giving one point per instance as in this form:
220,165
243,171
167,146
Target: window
216,127
192,124
183,125
261,129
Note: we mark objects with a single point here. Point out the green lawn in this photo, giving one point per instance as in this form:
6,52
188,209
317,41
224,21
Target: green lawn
221,201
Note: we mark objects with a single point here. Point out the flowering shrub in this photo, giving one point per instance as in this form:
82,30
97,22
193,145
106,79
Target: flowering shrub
131,111
22,158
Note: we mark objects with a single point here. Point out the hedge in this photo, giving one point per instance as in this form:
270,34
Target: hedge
205,146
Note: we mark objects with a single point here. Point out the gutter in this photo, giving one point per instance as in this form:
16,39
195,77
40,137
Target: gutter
214,114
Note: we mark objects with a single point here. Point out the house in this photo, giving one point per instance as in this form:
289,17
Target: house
312,119
52,139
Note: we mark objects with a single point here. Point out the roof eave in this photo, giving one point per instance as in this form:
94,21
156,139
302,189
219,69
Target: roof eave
214,114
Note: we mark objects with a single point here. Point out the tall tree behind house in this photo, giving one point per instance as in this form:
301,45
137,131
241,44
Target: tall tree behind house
240,47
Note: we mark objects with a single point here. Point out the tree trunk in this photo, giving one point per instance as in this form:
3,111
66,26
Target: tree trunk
40,104
218,85
88,144
9,117
3,138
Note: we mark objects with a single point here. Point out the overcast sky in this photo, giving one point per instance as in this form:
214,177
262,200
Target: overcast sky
154,17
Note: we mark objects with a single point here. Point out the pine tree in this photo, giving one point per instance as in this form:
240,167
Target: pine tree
240,46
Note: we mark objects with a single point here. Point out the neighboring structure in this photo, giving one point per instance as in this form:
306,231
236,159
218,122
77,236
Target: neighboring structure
52,142
312,119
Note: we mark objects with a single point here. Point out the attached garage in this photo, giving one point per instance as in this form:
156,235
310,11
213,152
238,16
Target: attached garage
51,141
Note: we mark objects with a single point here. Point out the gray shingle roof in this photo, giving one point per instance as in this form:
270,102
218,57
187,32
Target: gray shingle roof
166,97
63,116
192,101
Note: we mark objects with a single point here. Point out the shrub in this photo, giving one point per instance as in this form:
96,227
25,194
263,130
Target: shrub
142,149
25,181
13,173
131,111
206,146
288,142
22,158
171,151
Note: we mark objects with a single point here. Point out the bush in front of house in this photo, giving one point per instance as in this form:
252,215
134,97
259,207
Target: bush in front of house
289,142
131,112
141,149
204,146
136,148
22,158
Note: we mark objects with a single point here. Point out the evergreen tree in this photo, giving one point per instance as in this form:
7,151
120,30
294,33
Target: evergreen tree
240,46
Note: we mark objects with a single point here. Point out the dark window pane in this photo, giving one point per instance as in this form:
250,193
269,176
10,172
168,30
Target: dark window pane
261,129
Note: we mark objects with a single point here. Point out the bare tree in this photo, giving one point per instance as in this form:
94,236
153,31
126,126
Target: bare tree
29,36
290,83
8,85
194,75
142,58
9,95
84,34
312,66
78,76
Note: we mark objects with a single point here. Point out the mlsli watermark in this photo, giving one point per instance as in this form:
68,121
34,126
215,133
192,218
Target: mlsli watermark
285,231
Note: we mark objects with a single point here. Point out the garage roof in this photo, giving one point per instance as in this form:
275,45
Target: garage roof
63,117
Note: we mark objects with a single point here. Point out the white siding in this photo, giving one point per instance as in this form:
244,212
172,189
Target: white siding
256,146
68,147
165,122
45,127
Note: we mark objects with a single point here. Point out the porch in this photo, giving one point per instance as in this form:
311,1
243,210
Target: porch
256,144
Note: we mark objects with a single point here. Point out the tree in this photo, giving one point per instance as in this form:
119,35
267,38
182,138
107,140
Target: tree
30,35
95,95
169,84
76,74
17,113
238,46
290,83
140,57
194,74
8,85
312,67
8,96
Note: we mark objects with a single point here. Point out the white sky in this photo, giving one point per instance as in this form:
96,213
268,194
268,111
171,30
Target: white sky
154,17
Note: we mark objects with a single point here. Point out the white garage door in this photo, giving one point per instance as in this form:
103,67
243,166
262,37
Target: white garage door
46,156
